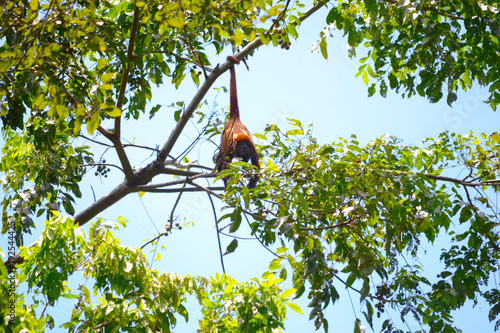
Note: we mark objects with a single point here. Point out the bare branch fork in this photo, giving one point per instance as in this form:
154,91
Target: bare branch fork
133,181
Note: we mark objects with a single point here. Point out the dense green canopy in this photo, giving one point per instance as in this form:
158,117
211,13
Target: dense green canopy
329,211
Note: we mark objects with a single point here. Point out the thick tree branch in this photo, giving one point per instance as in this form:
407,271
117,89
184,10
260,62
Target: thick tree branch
103,203
129,173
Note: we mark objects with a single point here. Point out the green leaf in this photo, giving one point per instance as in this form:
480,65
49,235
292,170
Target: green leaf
195,78
292,31
275,10
283,274
350,280
352,38
177,22
295,132
465,214
232,246
115,112
365,77
106,77
177,115
294,307
260,136
34,4
452,97
154,110
310,243
371,72
322,47
275,264
236,220
289,292
445,274
466,78
93,123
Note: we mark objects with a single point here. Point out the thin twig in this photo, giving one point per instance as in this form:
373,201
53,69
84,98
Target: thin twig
257,238
206,189
152,240
208,69
491,182
145,188
435,11
175,205
101,164
351,220
237,237
181,189
221,255
177,172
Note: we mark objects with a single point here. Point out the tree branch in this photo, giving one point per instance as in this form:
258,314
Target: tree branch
351,220
156,238
177,172
129,173
103,203
463,182
217,71
189,178
188,189
493,182
435,11
175,206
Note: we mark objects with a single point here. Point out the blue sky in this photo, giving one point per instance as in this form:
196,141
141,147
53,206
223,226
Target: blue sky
280,84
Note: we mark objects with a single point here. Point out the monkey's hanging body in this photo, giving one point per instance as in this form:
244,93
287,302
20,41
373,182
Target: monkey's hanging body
236,140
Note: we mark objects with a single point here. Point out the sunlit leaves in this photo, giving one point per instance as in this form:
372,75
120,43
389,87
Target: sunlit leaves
92,45
64,241
256,306
424,50
43,170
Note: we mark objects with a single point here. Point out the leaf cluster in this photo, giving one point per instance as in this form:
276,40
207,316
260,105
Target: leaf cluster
416,47
360,211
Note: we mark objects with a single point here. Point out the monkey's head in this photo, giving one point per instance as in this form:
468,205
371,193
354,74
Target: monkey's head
244,150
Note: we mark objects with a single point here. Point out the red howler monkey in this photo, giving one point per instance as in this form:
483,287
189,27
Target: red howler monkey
236,140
